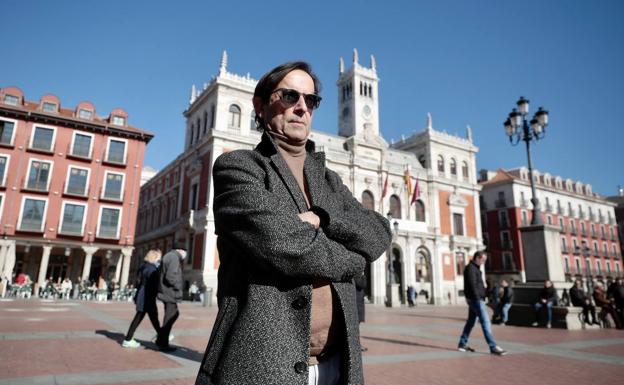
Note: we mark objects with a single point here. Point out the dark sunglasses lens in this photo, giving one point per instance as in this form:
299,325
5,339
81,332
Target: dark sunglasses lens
312,101
290,96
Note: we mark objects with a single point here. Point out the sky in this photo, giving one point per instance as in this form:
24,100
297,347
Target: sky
465,62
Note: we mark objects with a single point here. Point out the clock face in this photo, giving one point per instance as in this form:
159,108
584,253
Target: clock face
366,111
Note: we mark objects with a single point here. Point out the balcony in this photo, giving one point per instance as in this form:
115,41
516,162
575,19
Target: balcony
584,232
571,212
573,230
500,203
549,208
524,203
581,214
565,249
593,234
559,210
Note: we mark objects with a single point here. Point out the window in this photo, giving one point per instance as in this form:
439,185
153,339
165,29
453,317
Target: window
566,264
598,268
596,248
395,207
549,218
608,267
525,218
583,232
508,263
113,186
72,218
577,263
588,266
453,167
575,245
81,145
42,139
49,107
617,268
118,120
505,240
561,225
205,121
593,230
85,114
1,202
77,181
212,116
564,245
39,175
440,165
572,226
502,218
33,214
116,151
458,224
7,129
420,211
368,200
423,161
193,197
235,116
11,99
109,222
4,162
460,259
465,170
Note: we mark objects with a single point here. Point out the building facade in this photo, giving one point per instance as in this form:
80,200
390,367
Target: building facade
435,231
590,247
69,189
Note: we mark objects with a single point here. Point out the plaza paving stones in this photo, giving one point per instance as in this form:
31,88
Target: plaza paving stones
78,343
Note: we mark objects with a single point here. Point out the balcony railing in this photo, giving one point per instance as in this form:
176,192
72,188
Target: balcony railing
549,208
559,210
571,212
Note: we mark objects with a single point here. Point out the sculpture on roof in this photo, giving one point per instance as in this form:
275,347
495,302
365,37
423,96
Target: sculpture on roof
356,56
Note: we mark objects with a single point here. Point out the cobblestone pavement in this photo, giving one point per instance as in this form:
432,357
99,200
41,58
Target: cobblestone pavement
69,342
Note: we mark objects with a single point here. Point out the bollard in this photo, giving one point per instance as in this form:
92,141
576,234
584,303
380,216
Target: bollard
207,300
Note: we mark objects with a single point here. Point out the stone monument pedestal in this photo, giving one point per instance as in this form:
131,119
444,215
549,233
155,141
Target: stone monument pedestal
393,298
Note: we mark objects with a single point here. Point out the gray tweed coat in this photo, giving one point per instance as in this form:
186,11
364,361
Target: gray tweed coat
269,258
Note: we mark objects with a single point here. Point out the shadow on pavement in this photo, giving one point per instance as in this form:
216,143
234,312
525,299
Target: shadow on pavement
399,342
462,319
181,351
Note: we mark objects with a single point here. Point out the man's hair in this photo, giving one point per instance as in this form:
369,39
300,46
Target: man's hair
271,79
479,254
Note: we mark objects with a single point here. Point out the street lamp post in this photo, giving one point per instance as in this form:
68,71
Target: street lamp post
518,129
392,290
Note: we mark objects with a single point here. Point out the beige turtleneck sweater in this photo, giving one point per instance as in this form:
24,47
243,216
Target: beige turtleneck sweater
323,328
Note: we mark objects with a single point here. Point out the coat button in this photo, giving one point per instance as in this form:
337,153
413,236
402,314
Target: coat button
300,303
301,367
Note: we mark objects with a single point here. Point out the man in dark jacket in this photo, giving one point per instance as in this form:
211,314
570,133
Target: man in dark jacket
580,299
547,299
606,304
618,296
501,313
474,290
170,292
291,240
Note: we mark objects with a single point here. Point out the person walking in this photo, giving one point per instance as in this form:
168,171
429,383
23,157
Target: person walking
170,292
145,298
474,291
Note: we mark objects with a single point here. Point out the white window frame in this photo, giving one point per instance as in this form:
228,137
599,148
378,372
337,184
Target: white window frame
86,110
463,215
608,263
74,141
14,130
99,222
68,175
21,213
123,185
566,264
108,142
598,267
32,137
84,216
30,161
2,204
17,102
119,117
55,105
6,168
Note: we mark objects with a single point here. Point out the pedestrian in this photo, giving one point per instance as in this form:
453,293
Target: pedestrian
170,292
607,305
501,314
474,290
618,296
360,287
578,298
194,292
145,298
547,299
291,238
411,296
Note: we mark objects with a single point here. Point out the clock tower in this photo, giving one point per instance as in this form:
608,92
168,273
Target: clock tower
358,105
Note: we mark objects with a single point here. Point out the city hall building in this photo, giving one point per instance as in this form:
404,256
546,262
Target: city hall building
426,182
69,189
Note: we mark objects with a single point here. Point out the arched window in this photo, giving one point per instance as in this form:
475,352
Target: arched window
192,135
205,121
465,170
395,207
440,165
453,167
252,123
370,91
423,161
235,116
198,125
212,116
420,211
368,200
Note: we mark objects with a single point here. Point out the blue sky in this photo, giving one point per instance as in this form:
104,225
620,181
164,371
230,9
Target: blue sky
466,62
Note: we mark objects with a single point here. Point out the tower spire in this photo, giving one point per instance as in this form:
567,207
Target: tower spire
193,94
223,65
429,121
341,65
356,56
373,63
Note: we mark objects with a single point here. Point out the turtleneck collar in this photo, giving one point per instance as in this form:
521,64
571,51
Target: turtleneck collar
287,146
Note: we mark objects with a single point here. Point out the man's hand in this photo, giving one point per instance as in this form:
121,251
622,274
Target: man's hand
311,218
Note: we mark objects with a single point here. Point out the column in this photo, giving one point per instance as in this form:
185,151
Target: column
86,268
43,267
9,260
118,267
125,271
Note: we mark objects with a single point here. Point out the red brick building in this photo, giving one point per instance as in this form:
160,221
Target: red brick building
69,189
589,237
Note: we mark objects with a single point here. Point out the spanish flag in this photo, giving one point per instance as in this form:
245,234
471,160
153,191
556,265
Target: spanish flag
385,187
408,181
416,194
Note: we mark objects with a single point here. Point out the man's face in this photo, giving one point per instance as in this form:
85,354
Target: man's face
547,284
292,121
481,260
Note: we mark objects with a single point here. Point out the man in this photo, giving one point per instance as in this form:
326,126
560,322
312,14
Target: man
600,298
474,291
170,292
291,239
618,296
580,299
547,299
501,313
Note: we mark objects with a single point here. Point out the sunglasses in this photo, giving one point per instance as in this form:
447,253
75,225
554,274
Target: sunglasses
291,97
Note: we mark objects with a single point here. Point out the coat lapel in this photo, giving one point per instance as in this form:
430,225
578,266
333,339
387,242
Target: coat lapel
314,171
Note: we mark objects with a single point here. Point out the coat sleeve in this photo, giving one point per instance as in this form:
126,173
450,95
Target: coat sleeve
346,221
173,273
254,219
469,284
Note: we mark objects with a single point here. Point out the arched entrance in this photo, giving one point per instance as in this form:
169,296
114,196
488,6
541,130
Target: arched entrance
424,274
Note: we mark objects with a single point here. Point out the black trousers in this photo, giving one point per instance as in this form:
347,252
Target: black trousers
171,315
589,308
138,317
